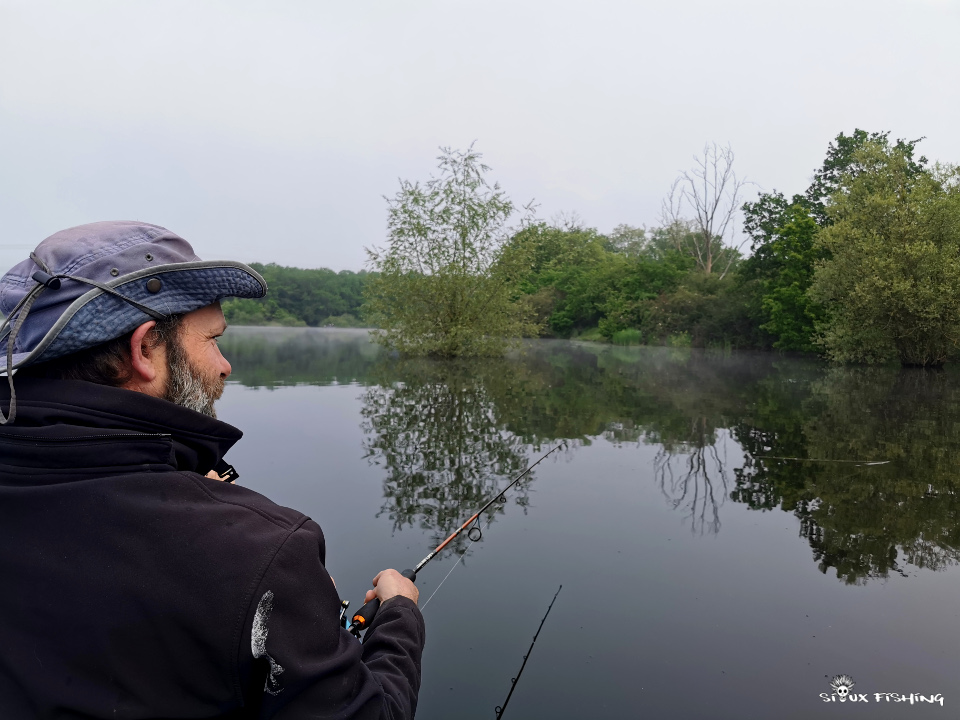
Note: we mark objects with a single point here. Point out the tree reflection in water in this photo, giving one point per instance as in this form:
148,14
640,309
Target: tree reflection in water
695,482
436,429
451,434
691,466
865,521
273,357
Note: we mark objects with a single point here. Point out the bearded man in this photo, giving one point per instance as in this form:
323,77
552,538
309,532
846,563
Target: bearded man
138,584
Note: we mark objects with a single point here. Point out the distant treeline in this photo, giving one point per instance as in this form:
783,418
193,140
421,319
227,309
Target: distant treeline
862,266
299,297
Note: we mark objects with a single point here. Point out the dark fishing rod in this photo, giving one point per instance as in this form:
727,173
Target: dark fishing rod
364,616
513,681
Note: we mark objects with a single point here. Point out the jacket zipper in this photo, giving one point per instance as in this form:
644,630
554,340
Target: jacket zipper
116,436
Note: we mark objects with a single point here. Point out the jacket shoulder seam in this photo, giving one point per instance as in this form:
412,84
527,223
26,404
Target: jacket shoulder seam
195,479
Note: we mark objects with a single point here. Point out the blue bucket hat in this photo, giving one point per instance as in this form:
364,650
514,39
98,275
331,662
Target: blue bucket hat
93,283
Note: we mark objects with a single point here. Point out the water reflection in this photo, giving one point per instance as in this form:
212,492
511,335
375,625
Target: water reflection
862,520
769,432
274,357
438,432
696,483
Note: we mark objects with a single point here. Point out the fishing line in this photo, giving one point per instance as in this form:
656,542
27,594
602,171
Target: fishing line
362,619
855,462
455,566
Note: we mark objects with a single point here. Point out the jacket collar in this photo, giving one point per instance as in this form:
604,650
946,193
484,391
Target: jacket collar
67,409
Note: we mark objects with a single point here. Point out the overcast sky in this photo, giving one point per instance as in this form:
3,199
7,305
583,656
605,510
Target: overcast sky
272,130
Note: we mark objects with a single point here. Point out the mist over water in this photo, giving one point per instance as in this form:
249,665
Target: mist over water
730,529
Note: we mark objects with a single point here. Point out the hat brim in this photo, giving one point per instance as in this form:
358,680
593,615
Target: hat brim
97,317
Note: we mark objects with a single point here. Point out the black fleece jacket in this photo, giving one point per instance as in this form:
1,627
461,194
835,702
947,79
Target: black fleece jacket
134,587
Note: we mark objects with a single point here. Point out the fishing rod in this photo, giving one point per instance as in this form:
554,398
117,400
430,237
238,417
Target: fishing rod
513,682
364,616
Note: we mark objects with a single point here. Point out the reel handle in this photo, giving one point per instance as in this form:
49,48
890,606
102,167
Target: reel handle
364,616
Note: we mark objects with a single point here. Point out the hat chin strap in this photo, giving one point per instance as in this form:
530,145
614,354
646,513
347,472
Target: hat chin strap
24,307
45,279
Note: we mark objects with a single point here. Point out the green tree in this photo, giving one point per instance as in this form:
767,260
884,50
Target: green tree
891,283
580,279
703,311
781,268
447,283
627,240
843,164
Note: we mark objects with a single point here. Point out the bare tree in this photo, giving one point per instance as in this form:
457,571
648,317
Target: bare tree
567,221
711,194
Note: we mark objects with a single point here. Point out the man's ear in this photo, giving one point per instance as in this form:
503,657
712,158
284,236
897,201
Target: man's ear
145,357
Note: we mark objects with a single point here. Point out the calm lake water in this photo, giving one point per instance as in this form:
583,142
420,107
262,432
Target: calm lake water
731,530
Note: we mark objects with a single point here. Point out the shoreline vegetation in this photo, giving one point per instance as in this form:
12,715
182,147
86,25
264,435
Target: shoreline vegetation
861,267
301,297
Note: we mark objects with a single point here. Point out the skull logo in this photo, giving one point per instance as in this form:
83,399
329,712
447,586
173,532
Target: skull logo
842,685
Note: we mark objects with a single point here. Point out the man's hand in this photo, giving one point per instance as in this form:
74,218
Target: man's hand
390,583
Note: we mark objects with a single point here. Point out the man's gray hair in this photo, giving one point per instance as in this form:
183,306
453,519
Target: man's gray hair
105,364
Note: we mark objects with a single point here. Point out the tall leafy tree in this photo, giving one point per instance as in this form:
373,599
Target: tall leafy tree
781,267
843,164
447,284
891,282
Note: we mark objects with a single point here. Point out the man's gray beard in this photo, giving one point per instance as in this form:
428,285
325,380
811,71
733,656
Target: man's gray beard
187,387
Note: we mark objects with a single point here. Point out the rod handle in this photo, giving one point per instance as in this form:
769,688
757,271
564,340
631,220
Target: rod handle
364,616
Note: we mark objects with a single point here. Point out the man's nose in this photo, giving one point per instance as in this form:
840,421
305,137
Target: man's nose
225,368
